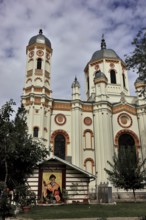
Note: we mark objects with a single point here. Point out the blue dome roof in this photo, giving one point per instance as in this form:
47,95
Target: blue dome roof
40,38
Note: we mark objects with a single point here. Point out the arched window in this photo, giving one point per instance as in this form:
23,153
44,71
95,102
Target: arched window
88,134
39,63
113,76
124,84
59,148
35,132
126,146
89,164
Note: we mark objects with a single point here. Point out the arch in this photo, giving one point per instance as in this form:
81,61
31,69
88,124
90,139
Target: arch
88,135
28,80
55,140
113,76
59,131
89,159
88,130
88,167
39,63
125,131
38,78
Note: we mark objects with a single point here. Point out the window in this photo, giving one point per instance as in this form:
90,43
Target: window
113,76
39,63
59,148
88,83
88,140
89,164
35,132
126,146
124,84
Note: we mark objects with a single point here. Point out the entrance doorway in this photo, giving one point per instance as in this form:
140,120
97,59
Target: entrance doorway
126,146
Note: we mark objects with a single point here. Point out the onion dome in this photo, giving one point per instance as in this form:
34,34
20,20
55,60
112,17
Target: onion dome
40,38
140,80
104,52
75,83
100,74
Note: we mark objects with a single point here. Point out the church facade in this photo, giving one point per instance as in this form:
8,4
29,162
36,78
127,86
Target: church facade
84,133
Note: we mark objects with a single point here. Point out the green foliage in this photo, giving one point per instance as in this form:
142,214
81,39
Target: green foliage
6,209
127,171
137,60
23,196
19,153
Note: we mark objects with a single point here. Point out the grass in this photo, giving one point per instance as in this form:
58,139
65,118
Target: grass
86,211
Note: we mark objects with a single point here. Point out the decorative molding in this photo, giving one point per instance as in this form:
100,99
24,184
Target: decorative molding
112,65
38,89
40,53
64,133
96,62
127,131
112,69
27,90
87,108
29,73
88,130
87,121
38,71
111,61
38,78
124,120
37,101
89,159
127,108
61,106
100,80
29,79
31,53
60,119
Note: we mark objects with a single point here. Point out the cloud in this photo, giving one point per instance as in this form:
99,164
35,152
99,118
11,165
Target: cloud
74,28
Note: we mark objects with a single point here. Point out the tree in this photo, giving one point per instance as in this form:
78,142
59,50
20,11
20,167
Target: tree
137,60
127,171
19,153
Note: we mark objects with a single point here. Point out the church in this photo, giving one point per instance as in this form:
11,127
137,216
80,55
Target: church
82,134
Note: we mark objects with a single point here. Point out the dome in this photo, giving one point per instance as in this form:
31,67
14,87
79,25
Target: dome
104,53
40,38
75,83
99,74
139,80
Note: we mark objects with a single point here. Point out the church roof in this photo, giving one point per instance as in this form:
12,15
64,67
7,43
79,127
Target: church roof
104,53
40,38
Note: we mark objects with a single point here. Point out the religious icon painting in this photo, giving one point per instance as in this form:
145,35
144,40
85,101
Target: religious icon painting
52,186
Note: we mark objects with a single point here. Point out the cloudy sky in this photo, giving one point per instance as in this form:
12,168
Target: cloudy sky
74,28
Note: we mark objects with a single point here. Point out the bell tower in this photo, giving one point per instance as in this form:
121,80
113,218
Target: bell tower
37,92
108,62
